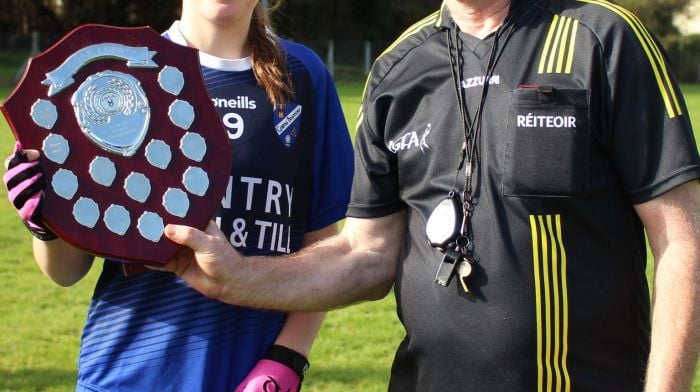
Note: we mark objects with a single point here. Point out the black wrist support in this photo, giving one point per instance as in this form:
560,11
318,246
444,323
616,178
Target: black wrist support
289,358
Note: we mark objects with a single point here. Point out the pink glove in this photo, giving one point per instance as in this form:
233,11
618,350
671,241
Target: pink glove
25,183
270,376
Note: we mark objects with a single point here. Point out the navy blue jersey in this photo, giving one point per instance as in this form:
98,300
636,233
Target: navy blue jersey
291,174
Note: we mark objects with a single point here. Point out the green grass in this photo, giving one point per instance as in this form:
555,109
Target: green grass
40,323
692,99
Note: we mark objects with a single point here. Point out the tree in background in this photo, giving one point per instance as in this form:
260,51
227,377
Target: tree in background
157,14
658,15
683,51
349,19
296,19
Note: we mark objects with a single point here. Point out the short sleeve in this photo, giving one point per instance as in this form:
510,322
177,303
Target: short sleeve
375,190
333,158
651,138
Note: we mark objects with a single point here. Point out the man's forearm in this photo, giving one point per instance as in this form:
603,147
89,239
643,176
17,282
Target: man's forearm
327,275
676,320
358,264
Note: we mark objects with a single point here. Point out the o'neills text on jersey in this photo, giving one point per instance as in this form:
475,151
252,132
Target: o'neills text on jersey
240,102
234,123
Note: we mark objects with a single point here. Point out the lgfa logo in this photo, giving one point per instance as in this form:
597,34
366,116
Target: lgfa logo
411,140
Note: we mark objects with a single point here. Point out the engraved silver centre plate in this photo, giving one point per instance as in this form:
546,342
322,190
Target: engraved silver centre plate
112,111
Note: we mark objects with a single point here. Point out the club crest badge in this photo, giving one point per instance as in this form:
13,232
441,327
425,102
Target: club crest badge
123,150
287,120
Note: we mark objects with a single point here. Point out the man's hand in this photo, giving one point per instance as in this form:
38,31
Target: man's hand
207,261
358,264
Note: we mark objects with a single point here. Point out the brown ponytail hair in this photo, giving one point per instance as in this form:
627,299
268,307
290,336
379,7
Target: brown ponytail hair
268,59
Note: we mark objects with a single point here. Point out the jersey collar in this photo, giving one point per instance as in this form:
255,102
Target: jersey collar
446,22
207,60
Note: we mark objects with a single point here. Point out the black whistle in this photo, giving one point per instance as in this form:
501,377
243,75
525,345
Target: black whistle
447,268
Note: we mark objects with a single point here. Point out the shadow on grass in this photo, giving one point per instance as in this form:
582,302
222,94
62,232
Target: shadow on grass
37,380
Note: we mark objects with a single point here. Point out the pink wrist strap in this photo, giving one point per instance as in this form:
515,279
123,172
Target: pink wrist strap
270,376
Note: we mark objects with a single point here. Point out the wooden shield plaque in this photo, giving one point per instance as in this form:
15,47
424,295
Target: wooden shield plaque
129,140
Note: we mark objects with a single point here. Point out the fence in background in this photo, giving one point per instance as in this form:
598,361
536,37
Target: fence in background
352,59
345,59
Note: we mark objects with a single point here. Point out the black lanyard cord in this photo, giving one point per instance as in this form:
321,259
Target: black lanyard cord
459,95
469,153
471,129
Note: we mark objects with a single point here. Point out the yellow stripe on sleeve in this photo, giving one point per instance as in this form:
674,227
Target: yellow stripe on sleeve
558,51
562,45
545,50
572,46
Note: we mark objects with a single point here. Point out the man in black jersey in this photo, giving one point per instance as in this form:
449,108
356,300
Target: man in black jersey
509,157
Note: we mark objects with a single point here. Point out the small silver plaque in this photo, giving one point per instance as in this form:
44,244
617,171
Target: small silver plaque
193,146
181,113
151,226
196,181
138,187
44,113
176,202
56,148
171,80
64,183
86,212
158,154
102,171
117,219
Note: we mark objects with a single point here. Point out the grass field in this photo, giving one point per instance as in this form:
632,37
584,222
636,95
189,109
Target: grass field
40,323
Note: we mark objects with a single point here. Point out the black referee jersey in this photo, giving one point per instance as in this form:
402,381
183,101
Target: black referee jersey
582,120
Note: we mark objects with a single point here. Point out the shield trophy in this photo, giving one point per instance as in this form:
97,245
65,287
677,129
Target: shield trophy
129,140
